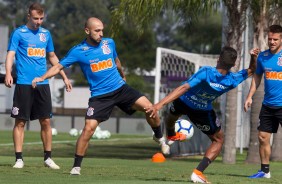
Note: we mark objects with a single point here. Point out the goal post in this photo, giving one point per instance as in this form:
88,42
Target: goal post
178,66
172,68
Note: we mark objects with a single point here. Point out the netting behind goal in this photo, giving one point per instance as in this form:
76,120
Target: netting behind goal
172,68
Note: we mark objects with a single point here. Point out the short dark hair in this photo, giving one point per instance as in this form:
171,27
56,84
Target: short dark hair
37,7
227,57
275,29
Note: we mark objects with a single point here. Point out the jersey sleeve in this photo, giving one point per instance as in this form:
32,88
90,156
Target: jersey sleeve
50,45
14,41
197,78
69,59
259,69
114,50
239,77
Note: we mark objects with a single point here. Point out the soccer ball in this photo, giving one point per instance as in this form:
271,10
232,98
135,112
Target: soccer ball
73,132
97,135
185,127
54,131
106,134
101,134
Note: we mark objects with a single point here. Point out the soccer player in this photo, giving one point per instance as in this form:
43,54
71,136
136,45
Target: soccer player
194,98
102,69
269,64
29,44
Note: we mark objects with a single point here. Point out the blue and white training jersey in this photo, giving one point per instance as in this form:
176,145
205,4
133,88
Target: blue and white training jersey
271,66
97,64
31,47
208,84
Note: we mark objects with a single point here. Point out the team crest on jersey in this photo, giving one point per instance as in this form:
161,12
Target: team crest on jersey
42,37
265,54
15,111
106,49
279,62
90,111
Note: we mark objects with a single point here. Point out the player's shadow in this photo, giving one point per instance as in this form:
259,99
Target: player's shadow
122,151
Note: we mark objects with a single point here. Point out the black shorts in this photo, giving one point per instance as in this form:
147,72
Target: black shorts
269,119
206,121
32,103
100,107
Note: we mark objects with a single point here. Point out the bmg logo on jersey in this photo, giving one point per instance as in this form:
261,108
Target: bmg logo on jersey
273,75
102,65
39,52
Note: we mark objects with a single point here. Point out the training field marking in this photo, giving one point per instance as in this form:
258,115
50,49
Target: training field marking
73,141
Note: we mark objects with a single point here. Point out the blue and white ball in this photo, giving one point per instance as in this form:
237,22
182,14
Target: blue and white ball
185,127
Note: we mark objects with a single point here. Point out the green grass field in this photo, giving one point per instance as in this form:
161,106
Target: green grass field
121,159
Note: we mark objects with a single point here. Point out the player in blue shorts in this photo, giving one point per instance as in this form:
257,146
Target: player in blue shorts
194,98
269,64
102,69
30,44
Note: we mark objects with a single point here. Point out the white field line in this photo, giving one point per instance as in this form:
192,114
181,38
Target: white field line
72,141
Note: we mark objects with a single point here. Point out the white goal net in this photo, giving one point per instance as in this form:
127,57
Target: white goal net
172,68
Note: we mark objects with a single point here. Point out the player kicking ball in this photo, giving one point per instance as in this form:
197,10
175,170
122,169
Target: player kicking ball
99,62
194,98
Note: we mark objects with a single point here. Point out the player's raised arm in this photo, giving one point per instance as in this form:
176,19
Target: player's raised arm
54,70
176,93
253,62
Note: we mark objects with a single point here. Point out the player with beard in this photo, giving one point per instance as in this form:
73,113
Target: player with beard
102,69
269,64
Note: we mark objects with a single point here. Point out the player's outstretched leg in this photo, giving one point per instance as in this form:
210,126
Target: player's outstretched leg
82,144
154,122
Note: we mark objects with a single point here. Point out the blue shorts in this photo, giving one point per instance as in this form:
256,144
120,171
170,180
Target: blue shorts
270,118
32,103
206,121
101,107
